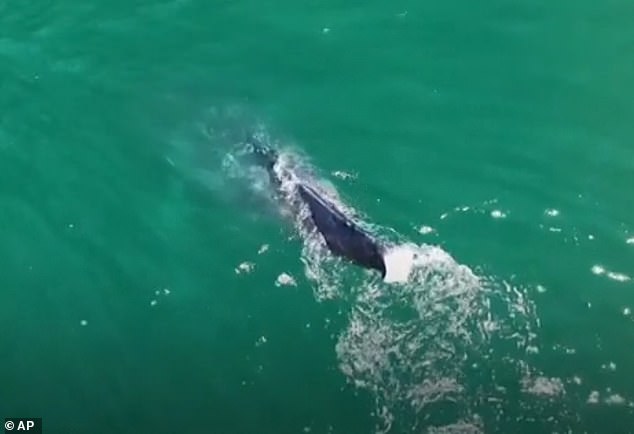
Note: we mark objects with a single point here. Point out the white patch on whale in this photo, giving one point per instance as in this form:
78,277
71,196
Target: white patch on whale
399,261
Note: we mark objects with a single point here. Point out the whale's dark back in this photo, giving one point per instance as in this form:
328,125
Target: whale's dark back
342,236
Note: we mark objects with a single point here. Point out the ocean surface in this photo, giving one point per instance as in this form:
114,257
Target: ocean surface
151,284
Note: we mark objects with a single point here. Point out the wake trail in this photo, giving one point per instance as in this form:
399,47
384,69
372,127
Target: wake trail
415,340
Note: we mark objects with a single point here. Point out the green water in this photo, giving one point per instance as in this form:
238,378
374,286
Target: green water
504,127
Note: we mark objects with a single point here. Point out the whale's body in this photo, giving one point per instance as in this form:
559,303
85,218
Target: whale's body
343,236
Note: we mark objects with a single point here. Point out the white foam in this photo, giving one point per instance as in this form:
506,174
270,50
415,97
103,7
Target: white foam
285,280
609,366
615,399
408,344
399,262
619,277
344,175
425,230
461,427
593,398
245,267
598,270
544,386
497,214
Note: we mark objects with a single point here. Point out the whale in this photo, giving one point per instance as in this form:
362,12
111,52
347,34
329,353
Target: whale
342,235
